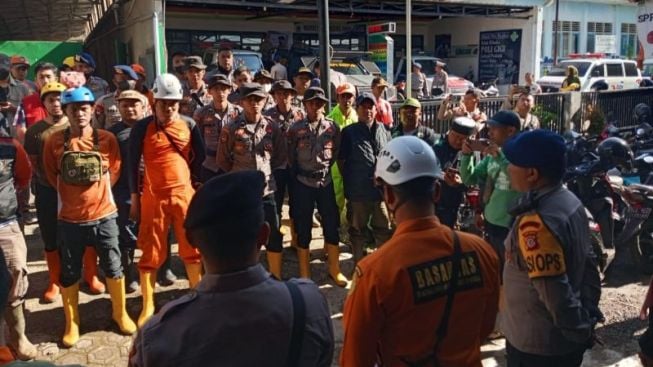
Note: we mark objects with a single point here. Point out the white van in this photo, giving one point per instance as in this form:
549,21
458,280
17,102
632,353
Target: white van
617,73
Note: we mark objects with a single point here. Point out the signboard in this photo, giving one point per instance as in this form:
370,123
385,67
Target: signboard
382,28
645,27
499,56
464,51
606,44
382,48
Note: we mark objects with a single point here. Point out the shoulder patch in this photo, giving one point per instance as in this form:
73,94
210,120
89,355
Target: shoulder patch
540,249
431,280
358,273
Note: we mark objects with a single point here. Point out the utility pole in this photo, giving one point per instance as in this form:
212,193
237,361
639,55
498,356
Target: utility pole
325,58
556,33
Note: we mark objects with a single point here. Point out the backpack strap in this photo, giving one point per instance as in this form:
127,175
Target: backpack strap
443,327
298,324
66,140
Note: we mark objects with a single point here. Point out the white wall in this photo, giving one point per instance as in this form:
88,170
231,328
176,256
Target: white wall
599,11
137,33
462,30
466,31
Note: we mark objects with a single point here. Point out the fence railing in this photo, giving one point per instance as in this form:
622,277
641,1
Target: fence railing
557,111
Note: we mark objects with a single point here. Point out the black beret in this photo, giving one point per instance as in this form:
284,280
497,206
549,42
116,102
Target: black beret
536,149
224,197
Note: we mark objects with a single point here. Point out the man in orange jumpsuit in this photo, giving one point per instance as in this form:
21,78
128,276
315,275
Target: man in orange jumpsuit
82,163
428,296
172,150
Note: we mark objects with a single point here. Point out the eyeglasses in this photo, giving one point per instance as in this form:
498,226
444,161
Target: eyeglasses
22,68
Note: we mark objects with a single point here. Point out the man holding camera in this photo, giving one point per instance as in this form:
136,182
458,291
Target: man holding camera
491,173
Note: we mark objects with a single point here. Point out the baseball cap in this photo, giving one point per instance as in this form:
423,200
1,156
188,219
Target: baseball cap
218,79
194,62
85,58
315,93
367,96
19,60
252,89
283,85
536,149
379,81
505,118
139,69
411,102
125,70
346,88
305,70
131,94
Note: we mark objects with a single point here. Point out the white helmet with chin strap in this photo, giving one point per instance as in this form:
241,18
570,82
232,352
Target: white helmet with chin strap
406,158
167,86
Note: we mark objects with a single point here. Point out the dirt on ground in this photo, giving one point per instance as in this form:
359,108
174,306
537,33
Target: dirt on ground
102,345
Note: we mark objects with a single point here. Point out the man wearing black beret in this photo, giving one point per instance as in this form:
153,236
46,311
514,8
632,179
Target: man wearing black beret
550,278
239,315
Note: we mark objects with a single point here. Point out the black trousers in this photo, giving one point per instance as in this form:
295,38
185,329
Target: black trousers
496,235
306,198
45,201
516,358
275,243
283,181
447,216
102,234
128,229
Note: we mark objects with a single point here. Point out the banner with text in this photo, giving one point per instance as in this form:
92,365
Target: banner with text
499,56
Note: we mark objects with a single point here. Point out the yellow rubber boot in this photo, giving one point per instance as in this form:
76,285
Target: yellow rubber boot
148,278
118,304
334,265
194,272
304,259
54,270
274,264
90,271
70,298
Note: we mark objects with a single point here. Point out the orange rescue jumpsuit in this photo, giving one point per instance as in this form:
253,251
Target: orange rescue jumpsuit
399,292
167,186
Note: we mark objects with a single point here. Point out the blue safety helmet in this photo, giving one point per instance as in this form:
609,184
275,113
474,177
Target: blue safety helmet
77,95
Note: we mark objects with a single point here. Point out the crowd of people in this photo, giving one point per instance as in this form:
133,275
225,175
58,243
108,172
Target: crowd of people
212,156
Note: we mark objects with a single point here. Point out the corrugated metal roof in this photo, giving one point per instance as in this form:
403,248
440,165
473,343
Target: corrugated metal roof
51,20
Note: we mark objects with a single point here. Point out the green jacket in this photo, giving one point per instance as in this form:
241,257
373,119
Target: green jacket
491,174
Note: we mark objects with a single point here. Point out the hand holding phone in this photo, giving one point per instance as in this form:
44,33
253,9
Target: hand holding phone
478,145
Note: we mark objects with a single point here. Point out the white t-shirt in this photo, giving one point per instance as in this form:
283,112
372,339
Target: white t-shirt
279,72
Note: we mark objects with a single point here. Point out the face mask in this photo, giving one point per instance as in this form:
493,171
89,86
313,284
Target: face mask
267,87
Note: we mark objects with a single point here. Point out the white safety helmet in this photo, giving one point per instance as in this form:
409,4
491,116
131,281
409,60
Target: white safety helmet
405,158
167,86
